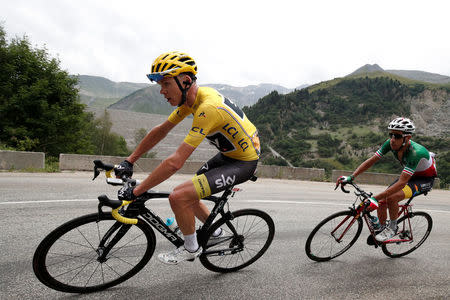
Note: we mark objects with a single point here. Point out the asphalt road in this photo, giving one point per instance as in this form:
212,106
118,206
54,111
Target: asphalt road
34,204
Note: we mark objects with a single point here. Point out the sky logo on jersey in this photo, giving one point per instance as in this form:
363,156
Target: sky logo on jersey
221,182
198,130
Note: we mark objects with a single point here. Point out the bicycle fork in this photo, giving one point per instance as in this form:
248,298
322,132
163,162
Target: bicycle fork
339,239
104,248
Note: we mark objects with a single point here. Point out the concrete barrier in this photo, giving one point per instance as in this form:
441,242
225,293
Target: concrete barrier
373,178
80,162
19,160
84,163
283,172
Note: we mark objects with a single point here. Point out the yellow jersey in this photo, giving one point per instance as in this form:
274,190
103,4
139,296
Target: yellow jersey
222,122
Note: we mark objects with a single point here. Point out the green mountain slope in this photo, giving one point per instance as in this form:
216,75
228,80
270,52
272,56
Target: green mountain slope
337,124
147,100
100,92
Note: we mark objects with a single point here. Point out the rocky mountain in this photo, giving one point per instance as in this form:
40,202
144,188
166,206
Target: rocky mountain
339,123
421,76
410,74
149,99
366,69
248,95
96,91
146,100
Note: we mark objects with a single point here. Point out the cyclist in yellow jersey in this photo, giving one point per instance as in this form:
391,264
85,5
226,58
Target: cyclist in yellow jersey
215,118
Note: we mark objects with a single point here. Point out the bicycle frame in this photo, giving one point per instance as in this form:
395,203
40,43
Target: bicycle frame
404,209
138,208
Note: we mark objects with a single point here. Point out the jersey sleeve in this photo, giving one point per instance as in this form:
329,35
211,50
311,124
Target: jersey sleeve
178,115
385,148
206,118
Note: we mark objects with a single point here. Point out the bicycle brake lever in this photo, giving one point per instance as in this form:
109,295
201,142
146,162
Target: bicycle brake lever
96,173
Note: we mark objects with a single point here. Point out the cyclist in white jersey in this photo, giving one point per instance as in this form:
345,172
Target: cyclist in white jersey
417,177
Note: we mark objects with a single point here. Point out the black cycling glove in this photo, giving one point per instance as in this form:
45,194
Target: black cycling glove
126,193
124,169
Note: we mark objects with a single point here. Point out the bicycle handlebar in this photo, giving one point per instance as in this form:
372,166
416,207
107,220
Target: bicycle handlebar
361,192
116,205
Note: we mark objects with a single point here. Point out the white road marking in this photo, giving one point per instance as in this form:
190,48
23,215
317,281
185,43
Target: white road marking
248,201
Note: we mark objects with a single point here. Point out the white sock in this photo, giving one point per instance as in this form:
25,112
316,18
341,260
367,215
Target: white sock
190,242
217,232
393,224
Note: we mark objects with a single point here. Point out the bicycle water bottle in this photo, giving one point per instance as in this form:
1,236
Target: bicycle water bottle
375,222
170,222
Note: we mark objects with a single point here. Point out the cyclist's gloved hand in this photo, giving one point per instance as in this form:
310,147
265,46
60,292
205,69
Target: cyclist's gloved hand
126,193
125,168
345,179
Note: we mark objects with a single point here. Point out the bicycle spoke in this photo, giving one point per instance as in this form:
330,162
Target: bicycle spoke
333,236
67,260
417,229
253,235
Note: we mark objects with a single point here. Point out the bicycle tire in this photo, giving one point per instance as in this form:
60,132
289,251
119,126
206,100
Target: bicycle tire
229,252
321,245
66,259
421,224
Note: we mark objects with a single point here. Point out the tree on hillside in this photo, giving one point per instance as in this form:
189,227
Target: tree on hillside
139,135
39,105
105,141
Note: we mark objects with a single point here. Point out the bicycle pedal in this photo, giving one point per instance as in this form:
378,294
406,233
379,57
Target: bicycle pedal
371,241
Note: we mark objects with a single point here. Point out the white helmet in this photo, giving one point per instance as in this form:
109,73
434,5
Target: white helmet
402,124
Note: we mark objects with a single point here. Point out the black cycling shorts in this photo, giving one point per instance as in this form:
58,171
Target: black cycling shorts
417,185
221,172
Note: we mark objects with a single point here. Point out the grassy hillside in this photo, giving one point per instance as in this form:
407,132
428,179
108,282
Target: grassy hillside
100,92
147,100
339,123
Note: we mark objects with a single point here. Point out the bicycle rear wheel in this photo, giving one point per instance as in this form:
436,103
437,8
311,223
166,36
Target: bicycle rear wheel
69,258
421,224
254,232
333,236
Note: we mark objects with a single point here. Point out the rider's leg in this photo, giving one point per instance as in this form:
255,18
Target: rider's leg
382,211
183,199
392,202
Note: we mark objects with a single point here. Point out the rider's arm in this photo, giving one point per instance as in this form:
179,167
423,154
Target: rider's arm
365,165
400,184
150,140
166,169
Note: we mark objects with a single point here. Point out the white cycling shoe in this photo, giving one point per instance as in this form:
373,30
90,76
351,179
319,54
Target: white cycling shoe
386,234
179,255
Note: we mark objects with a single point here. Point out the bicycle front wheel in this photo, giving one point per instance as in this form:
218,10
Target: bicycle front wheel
244,239
73,257
333,236
412,232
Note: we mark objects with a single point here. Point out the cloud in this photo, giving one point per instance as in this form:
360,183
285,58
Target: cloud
237,42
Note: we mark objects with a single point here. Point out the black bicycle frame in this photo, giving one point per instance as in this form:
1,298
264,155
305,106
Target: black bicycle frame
156,222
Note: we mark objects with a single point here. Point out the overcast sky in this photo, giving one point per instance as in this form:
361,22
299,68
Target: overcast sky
243,42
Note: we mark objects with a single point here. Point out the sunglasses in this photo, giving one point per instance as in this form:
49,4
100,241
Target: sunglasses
155,77
396,136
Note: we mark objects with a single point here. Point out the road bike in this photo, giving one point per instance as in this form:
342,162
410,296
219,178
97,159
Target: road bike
337,233
100,250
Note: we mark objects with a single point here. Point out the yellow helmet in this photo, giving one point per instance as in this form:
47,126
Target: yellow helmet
172,64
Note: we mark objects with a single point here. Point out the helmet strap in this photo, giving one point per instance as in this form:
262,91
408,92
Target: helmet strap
183,90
